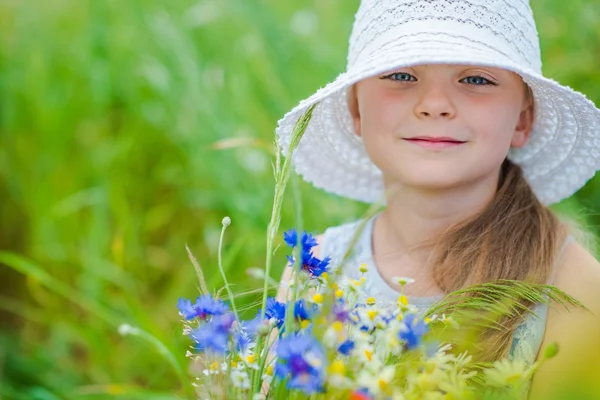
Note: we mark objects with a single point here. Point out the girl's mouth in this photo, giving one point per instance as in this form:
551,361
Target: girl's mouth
434,142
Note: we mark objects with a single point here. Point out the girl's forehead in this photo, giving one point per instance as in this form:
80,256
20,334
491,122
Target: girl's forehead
453,67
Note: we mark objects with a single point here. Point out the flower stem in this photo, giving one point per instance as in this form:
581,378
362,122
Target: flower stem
226,223
289,312
282,174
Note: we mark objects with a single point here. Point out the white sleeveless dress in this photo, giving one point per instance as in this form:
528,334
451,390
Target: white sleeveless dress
335,241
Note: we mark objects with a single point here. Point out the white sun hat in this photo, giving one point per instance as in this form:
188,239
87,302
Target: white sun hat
563,152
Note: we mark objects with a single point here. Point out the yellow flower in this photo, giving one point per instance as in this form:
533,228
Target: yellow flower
339,293
370,301
363,268
318,298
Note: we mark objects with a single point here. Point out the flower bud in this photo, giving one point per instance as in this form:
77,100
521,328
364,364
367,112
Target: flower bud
226,222
551,350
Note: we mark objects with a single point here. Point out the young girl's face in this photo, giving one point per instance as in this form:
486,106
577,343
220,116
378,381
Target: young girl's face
436,126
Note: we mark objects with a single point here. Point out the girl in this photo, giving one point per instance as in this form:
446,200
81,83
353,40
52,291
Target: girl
443,114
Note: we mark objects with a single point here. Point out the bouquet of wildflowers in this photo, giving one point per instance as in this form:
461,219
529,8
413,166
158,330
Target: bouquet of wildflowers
328,344
323,341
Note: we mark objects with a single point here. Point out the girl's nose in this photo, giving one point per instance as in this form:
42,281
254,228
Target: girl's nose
434,102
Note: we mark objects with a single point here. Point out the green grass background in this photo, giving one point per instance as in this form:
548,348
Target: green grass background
130,128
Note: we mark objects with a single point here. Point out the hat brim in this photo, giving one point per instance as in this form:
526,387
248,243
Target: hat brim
562,154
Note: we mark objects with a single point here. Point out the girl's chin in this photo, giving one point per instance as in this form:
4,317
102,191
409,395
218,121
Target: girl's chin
433,183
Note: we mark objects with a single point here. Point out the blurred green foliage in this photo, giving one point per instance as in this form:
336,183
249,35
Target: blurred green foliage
129,129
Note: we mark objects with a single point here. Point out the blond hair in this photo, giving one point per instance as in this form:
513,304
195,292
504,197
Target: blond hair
515,237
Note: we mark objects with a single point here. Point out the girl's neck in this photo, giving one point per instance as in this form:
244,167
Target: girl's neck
414,218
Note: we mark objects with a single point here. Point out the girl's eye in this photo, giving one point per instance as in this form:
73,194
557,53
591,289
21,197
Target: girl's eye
477,81
401,77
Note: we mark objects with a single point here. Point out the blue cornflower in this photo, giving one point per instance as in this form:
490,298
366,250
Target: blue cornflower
204,307
346,347
304,310
275,310
310,264
301,359
412,331
186,310
243,336
252,326
213,336
314,266
307,241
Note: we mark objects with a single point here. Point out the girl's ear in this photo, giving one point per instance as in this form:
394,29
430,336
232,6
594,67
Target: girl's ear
524,124
353,106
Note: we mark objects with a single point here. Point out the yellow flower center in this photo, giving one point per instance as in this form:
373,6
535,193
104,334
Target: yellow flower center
304,324
384,386
337,367
514,378
337,326
403,300
318,298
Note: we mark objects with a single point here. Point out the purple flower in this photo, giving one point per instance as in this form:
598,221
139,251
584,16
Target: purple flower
205,306
412,331
213,336
340,312
314,266
301,359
